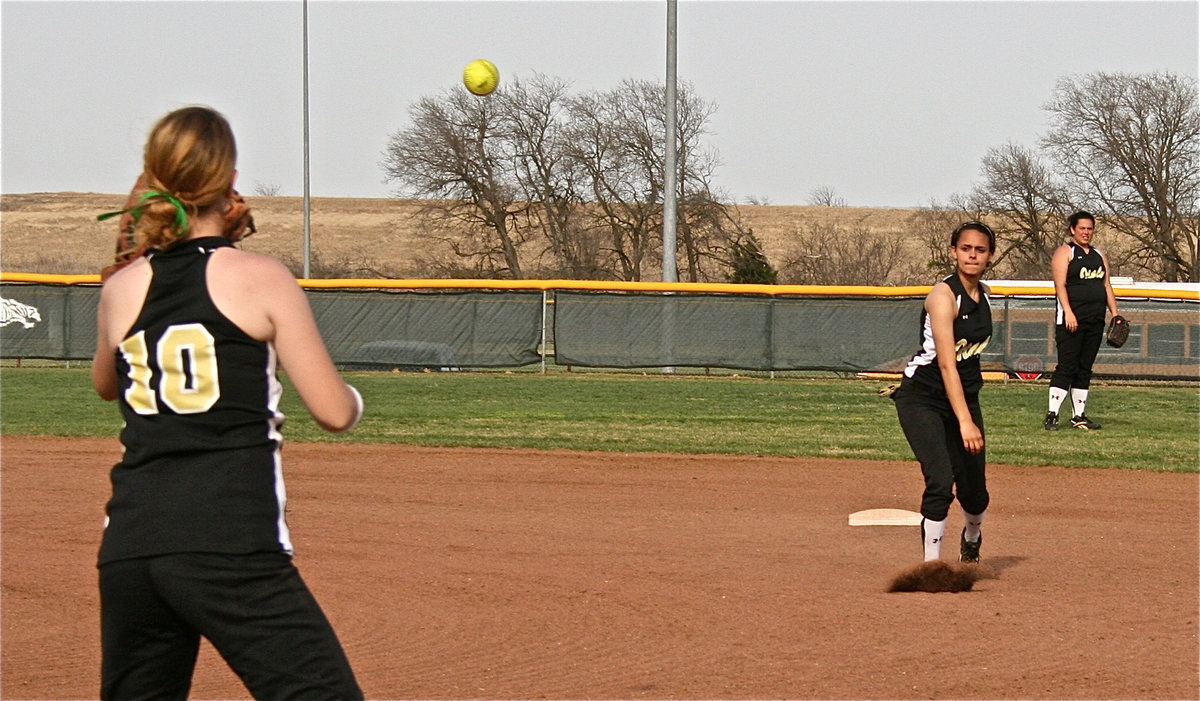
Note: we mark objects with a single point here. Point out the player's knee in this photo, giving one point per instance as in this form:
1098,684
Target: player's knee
974,503
935,505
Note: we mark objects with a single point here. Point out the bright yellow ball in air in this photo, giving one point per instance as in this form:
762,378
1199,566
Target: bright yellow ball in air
481,77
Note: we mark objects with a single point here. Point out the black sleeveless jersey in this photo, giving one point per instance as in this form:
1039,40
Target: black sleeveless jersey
201,469
972,332
1085,286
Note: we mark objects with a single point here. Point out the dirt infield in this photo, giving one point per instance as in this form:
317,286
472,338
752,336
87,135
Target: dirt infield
505,574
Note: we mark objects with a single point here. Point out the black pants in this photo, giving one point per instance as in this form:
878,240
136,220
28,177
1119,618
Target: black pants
931,428
1076,354
255,610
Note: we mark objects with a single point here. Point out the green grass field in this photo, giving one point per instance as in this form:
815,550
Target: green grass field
1145,427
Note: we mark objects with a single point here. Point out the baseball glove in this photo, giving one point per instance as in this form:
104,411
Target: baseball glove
1118,332
239,224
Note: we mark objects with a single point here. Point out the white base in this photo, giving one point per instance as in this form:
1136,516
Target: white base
885,517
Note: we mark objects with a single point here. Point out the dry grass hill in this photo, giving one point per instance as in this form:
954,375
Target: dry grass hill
58,232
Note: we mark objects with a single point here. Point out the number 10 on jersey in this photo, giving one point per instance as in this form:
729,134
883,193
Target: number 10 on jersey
186,358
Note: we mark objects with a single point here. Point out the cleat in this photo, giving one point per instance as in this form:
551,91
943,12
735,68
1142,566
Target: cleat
1082,421
1051,422
969,552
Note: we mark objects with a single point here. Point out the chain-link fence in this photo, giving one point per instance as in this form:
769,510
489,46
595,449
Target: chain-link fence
385,324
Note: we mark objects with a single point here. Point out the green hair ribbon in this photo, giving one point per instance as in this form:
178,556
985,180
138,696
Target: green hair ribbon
180,209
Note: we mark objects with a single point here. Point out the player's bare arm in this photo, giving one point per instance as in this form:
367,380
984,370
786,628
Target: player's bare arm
104,367
1058,270
1108,288
260,295
120,303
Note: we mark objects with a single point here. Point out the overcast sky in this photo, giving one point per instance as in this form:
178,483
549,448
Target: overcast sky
890,104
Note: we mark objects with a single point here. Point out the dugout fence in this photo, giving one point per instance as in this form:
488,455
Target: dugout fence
461,324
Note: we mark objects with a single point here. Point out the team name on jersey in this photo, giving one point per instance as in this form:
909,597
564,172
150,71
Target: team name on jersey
964,350
1085,274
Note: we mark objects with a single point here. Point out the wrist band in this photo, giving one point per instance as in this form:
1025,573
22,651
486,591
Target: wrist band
358,411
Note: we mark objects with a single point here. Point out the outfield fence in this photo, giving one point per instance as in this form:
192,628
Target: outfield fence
460,324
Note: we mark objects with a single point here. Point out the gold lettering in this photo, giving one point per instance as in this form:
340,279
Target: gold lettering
192,386
187,360
964,350
139,395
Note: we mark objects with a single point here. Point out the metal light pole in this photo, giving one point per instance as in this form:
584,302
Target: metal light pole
670,185
307,230
670,165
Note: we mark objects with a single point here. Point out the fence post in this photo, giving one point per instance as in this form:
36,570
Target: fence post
543,347
1008,362
771,335
66,306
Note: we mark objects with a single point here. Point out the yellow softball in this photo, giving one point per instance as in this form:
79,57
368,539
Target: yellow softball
481,77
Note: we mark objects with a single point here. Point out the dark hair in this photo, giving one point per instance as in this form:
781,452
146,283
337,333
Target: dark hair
974,226
1074,218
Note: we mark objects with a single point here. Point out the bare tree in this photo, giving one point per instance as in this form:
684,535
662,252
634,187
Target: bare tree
456,155
1025,209
267,189
704,223
619,138
710,230
536,119
1131,144
533,180
825,196
614,144
827,254
931,226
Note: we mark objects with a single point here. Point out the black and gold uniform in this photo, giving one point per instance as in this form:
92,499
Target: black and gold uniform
195,542
201,469
927,418
1087,294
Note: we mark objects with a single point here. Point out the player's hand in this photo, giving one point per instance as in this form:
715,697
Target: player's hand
972,437
1070,321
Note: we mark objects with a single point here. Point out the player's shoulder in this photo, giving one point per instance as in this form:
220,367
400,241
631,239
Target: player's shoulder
262,268
946,286
133,276
943,285
941,295
252,277
1063,254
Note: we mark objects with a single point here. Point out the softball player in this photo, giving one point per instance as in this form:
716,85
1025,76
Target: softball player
1082,292
938,398
196,544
